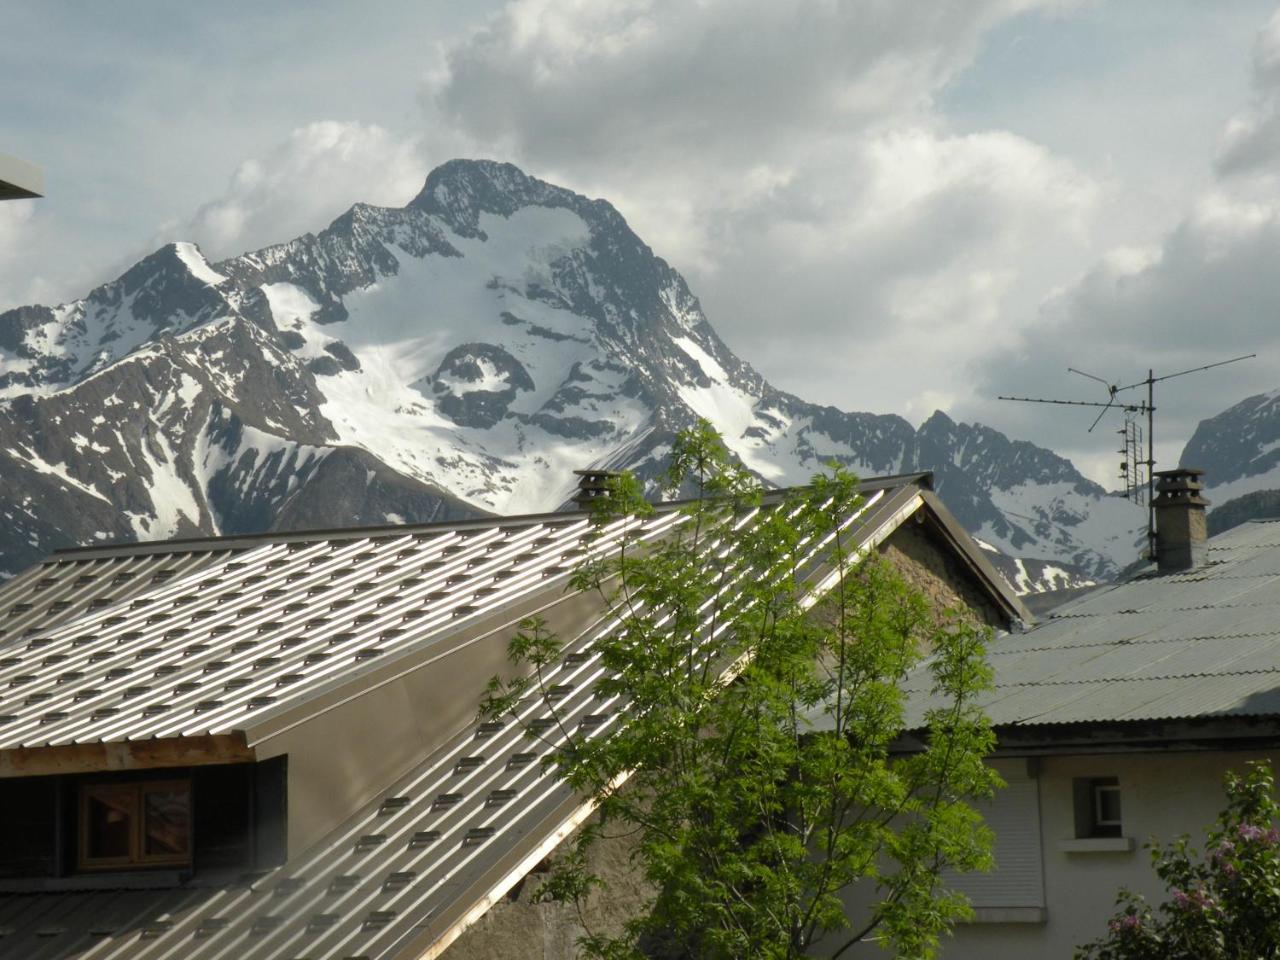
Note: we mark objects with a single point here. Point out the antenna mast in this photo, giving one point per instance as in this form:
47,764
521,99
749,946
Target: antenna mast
1128,469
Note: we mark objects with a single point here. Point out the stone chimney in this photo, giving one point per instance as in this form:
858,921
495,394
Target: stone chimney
1182,538
593,485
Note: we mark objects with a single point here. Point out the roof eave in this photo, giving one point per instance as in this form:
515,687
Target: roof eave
19,180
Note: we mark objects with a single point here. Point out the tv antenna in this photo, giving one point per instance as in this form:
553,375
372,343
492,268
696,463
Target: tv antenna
1133,464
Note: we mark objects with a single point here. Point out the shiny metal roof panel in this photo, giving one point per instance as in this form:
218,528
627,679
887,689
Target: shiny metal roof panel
141,643
61,590
217,646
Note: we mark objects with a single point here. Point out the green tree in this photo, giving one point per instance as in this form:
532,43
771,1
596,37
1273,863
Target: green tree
1223,904
761,713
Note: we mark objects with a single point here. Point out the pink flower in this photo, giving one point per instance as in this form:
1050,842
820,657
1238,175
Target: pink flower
1248,831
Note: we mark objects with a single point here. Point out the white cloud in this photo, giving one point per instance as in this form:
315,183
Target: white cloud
1210,292
1251,143
303,183
788,158
28,250
850,232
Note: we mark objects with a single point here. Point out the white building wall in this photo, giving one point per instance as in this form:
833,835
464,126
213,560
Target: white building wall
1162,795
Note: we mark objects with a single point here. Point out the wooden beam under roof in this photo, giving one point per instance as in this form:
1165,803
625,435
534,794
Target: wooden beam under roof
129,755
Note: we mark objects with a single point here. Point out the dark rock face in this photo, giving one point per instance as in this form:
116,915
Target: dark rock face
342,353
454,357
1240,444
476,382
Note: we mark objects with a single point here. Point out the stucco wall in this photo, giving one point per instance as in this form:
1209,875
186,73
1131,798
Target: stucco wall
1162,795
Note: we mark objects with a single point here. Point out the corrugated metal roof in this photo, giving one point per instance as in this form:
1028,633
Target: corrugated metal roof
244,622
1204,643
214,645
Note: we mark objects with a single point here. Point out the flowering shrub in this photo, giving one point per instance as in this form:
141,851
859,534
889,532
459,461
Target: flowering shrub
1222,905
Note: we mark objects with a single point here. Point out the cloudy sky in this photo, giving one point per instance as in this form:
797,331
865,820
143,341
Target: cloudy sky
883,206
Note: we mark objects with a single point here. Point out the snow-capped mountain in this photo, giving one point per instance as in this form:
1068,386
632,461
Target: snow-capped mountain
1238,448
457,356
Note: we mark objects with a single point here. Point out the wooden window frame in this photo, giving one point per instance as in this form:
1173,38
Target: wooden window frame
137,857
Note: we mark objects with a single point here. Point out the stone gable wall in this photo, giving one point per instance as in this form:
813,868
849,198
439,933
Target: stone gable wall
915,553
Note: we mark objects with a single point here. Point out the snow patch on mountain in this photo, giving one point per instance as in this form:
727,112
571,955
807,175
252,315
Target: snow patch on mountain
194,260
1239,448
1058,515
58,470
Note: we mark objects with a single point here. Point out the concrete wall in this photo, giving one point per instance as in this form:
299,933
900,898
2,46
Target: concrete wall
1162,795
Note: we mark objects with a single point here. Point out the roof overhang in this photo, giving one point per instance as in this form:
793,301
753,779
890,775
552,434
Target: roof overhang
126,755
19,180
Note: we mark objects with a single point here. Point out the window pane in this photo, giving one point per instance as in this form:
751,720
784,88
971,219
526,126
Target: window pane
27,844
1108,805
109,821
166,819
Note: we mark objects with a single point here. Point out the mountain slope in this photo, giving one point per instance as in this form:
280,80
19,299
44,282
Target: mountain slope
457,356
1238,448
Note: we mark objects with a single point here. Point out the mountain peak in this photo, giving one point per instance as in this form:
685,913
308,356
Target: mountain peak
937,421
471,349
460,190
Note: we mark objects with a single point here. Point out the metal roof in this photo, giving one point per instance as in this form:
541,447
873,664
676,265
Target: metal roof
1186,646
240,621
374,885
218,642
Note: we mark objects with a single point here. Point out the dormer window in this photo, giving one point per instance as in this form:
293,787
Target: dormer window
80,830
135,824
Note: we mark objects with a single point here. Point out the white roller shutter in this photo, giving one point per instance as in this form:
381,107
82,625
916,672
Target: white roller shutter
1018,878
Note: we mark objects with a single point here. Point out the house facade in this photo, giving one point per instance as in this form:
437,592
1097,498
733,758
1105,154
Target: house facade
1117,717
268,746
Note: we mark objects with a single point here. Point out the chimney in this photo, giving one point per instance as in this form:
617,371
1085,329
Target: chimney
593,485
1181,535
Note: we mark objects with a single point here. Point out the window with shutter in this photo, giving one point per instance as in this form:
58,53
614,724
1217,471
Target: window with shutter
1014,890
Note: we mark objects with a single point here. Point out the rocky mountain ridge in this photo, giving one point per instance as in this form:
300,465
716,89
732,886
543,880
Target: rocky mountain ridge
457,356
